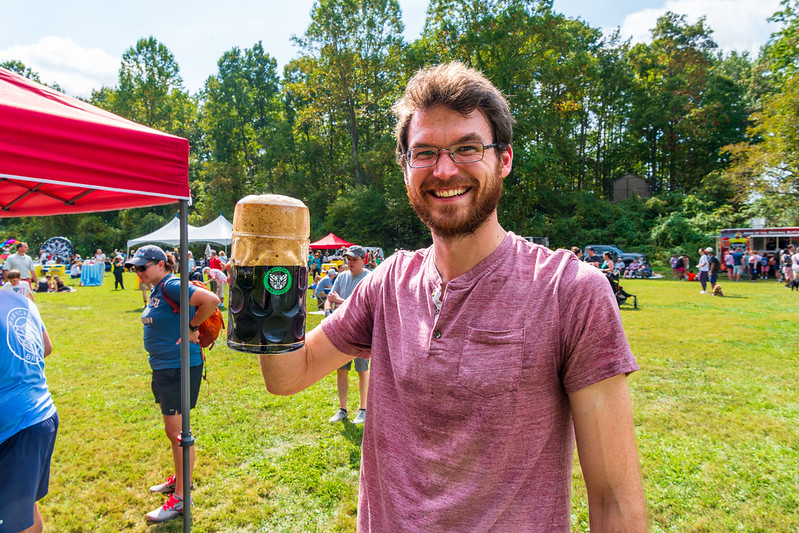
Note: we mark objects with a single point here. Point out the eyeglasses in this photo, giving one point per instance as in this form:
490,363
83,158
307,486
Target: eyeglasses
461,153
143,268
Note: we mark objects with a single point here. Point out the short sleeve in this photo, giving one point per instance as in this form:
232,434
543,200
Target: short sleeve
595,347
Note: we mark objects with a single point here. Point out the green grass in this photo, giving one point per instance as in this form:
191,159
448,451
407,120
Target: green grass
716,411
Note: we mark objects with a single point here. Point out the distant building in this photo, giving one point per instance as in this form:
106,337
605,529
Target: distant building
625,186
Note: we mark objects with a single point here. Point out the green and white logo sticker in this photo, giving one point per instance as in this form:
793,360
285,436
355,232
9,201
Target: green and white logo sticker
277,280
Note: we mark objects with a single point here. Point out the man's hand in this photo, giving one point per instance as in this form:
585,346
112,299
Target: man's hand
334,298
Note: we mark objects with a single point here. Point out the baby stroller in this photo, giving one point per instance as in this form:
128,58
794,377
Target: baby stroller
621,295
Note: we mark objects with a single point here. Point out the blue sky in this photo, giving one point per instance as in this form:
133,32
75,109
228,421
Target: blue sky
79,44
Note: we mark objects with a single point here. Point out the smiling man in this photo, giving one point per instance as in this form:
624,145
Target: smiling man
478,388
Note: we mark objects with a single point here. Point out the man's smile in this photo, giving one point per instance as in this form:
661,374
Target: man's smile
450,193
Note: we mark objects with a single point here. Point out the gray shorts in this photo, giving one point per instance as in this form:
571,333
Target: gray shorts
738,269
361,365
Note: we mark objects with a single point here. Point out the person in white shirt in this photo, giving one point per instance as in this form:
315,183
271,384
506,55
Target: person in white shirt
703,266
15,284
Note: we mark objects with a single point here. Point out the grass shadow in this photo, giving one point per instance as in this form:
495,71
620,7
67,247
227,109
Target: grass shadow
354,434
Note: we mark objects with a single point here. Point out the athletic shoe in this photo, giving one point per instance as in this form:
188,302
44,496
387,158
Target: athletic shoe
167,487
171,509
702,292
360,417
340,416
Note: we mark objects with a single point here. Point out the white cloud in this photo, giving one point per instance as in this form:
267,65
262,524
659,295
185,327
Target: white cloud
58,60
740,25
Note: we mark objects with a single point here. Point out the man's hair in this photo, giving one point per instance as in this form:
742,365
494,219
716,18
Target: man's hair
20,244
461,89
13,274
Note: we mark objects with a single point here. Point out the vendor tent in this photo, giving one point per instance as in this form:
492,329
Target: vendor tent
330,241
219,231
169,234
60,155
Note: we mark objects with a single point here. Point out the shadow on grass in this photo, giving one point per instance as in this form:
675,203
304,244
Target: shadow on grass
354,434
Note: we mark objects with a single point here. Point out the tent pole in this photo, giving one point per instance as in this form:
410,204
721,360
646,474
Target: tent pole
186,438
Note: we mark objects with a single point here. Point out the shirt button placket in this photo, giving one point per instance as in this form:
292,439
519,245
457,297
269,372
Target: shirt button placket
437,334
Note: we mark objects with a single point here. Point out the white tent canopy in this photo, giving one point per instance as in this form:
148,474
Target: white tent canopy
219,231
168,234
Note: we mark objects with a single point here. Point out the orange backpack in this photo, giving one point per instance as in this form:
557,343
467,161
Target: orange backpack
211,326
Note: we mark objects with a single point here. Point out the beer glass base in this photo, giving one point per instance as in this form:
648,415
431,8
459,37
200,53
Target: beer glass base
265,348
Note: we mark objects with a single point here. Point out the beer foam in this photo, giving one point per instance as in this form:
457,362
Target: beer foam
270,229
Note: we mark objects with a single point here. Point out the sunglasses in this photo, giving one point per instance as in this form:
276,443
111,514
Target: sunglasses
143,268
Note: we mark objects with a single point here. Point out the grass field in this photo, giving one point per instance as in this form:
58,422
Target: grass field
716,411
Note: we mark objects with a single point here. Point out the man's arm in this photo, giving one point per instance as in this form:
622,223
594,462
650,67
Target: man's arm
603,426
293,372
48,346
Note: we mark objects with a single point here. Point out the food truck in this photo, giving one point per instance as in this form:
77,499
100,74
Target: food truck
765,241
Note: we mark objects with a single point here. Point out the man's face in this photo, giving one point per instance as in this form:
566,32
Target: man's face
22,248
355,264
454,199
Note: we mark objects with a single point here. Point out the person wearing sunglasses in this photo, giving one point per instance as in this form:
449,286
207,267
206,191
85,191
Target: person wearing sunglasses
162,342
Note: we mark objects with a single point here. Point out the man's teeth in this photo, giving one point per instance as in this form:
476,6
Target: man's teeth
449,193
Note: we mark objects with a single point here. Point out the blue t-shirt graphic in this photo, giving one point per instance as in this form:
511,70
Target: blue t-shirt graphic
24,398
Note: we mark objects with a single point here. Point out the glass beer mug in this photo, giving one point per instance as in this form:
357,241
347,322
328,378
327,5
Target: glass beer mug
269,274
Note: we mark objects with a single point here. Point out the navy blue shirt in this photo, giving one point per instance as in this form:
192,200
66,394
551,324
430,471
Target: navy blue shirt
162,327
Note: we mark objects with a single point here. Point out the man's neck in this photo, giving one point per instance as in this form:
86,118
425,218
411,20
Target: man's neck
454,256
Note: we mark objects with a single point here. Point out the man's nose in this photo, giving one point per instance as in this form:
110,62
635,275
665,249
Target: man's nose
445,167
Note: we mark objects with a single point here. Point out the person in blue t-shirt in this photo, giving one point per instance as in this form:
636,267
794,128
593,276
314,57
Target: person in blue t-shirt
162,343
28,418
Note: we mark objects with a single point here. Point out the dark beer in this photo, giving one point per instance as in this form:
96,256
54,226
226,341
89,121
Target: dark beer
269,274
267,308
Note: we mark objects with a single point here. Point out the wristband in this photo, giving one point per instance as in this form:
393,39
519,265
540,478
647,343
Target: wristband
193,328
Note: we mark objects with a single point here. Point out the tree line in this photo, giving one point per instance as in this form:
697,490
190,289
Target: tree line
714,134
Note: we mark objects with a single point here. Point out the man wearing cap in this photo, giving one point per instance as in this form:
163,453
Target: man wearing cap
715,266
324,286
342,289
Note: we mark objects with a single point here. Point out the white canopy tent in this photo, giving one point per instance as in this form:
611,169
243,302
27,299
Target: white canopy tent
167,234
218,231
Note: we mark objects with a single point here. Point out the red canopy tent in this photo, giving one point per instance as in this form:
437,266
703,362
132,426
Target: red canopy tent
330,241
60,155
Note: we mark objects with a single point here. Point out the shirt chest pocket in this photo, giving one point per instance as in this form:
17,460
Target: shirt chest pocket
491,361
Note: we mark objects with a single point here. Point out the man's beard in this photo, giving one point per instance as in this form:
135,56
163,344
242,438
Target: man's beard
445,221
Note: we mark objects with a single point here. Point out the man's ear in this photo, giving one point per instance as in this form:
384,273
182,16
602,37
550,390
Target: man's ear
506,160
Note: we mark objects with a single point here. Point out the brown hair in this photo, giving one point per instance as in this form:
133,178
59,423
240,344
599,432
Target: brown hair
169,264
459,88
13,274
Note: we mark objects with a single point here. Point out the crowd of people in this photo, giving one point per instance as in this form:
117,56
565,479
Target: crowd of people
753,266
614,268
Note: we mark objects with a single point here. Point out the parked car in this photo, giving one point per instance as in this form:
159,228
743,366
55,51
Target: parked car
616,254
